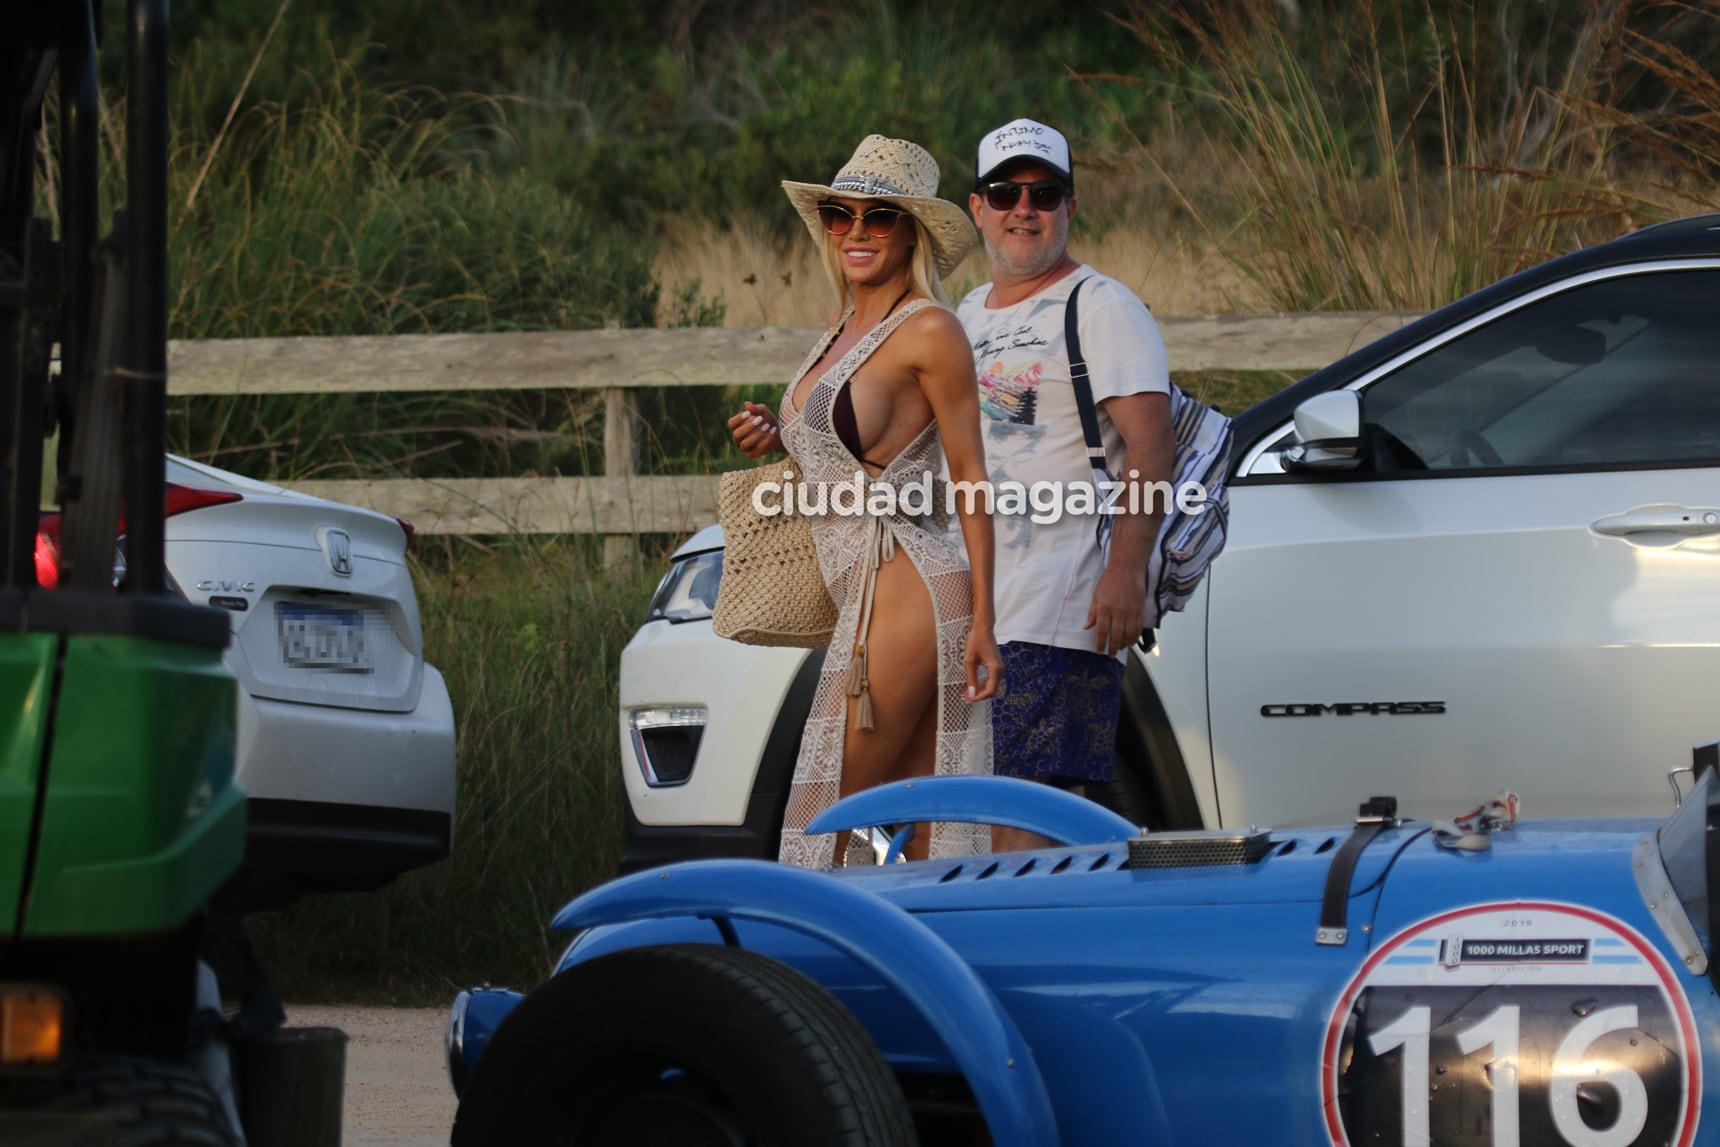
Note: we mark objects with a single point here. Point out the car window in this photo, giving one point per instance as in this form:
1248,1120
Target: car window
1623,371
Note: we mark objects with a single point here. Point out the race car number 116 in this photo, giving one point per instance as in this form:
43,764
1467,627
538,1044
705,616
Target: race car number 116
1515,1025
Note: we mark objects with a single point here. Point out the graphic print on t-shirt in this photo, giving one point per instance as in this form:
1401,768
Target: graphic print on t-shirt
1047,571
1007,395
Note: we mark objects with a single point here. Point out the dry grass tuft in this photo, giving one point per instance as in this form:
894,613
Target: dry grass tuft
763,280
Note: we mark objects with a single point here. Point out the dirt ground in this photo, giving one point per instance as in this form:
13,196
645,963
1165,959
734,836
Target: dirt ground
397,1092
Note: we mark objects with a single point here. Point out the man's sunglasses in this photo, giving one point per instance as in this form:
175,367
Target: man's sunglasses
1044,194
879,221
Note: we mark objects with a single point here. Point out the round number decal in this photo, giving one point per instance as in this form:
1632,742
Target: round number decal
1504,1025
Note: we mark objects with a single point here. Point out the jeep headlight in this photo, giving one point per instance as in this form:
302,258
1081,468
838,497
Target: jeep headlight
688,592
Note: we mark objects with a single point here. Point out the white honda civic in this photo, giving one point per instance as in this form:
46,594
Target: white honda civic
345,734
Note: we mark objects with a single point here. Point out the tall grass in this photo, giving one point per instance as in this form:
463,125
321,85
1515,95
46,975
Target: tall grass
1382,170
365,209
528,636
765,277
1675,144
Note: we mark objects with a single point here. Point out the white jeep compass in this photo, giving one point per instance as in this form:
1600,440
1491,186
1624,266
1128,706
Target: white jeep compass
1485,547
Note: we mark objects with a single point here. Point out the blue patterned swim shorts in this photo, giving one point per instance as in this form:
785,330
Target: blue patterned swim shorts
1055,714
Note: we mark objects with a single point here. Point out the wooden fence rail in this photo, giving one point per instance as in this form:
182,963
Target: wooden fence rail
623,502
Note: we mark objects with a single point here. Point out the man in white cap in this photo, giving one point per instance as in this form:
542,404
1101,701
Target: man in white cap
1069,604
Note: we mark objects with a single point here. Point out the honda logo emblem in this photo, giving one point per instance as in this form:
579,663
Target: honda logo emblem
339,549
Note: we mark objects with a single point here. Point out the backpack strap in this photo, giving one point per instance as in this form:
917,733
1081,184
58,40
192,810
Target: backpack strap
1084,405
1083,388
1186,544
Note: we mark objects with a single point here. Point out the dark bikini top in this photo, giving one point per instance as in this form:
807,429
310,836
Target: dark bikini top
847,428
842,419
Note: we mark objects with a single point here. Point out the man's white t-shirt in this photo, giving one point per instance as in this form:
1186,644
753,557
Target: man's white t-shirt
1047,572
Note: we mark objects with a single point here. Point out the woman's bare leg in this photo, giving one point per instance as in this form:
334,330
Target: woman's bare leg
918,759
902,672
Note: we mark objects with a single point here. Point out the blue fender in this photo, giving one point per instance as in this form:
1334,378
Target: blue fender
979,1033
1004,801
474,1018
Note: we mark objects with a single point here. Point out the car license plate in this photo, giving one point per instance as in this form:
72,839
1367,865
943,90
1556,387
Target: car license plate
323,637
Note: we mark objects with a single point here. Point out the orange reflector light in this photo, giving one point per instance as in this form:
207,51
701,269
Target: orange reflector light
31,1026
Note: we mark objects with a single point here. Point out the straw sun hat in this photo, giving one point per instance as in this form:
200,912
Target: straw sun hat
902,174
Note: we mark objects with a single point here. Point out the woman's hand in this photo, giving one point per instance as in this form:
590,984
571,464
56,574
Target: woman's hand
756,431
982,651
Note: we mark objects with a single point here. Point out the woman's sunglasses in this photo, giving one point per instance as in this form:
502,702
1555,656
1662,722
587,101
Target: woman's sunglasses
1044,194
879,221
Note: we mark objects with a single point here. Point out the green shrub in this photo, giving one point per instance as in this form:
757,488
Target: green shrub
712,131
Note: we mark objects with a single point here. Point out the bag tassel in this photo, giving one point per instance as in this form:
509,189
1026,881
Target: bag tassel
881,543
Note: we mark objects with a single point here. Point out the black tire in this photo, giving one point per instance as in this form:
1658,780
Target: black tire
1123,796
153,1104
682,1046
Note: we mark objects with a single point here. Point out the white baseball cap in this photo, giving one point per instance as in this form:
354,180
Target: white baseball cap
1024,139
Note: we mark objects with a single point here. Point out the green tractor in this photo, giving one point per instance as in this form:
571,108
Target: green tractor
120,822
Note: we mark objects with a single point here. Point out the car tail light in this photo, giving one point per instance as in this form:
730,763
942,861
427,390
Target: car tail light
48,551
184,499
179,500
409,529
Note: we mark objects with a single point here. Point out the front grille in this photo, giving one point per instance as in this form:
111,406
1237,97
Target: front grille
1197,849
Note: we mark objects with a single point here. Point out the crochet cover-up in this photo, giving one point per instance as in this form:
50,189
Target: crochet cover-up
848,547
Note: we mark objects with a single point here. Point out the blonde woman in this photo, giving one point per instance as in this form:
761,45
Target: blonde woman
887,392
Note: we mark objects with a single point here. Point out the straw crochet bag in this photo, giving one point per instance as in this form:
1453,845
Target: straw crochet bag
771,592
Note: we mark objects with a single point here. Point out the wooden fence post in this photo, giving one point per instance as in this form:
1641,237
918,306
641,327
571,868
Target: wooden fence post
620,460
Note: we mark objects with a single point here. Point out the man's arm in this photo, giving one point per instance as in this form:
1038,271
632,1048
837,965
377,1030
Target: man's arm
1149,456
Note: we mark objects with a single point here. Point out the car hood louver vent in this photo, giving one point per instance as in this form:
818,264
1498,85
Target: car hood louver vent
1012,866
1197,849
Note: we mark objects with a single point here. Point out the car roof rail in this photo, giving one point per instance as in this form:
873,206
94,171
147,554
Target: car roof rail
1708,222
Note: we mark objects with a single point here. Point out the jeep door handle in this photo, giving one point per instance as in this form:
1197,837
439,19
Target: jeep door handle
1682,521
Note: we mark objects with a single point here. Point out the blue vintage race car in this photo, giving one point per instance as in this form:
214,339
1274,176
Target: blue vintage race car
1393,981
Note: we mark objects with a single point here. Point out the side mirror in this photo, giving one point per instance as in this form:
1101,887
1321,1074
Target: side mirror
1328,433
